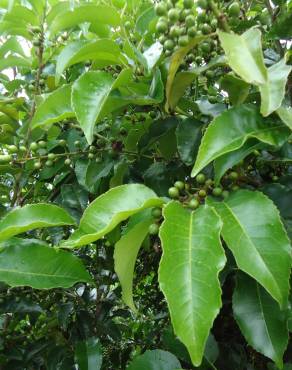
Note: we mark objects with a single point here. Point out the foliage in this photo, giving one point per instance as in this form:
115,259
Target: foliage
146,182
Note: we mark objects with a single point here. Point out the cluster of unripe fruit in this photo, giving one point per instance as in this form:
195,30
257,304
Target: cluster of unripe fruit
177,24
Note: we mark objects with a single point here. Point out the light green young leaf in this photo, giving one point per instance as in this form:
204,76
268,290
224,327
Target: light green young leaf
230,130
12,46
85,13
125,255
155,360
285,113
26,262
250,65
236,88
175,62
104,50
88,354
14,61
273,91
56,107
21,15
109,209
188,273
33,216
260,319
253,230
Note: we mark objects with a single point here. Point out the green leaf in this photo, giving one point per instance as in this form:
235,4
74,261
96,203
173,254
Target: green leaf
188,273
11,46
260,320
14,61
109,209
21,15
142,24
125,255
155,360
33,216
104,50
152,55
175,62
250,65
285,113
85,13
228,160
25,262
89,96
236,88
253,230
273,91
88,354
56,107
229,131
282,26
281,196
188,136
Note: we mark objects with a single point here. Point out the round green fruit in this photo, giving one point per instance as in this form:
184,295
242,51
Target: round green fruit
173,15
153,229
33,146
188,4
49,163
234,9
62,142
37,165
51,156
12,149
67,161
206,29
217,192
90,155
174,31
202,4
5,158
161,27
192,31
168,45
233,175
190,21
202,193
200,178
179,185
194,203
225,194
156,212
183,41
42,144
161,9
173,192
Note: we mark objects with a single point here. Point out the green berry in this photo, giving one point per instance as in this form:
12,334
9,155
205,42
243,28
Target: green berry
67,161
275,178
202,193
192,32
233,175
5,158
200,178
179,185
156,212
160,9
42,144
22,148
49,163
128,25
234,9
190,20
202,4
174,31
62,142
205,47
188,4
217,192
36,43
210,74
51,156
77,143
92,149
173,15
194,203
153,229
206,29
212,99
161,27
37,165
33,146
12,149
31,87
225,194
214,24
168,45
90,155
209,182
173,192
235,187
183,41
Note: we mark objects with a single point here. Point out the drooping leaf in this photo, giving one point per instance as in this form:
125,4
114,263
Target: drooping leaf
104,50
281,196
229,131
88,354
273,91
85,13
25,262
188,136
143,21
236,88
33,216
260,319
125,255
175,62
191,261
285,113
250,66
56,107
155,360
109,209
253,230
228,160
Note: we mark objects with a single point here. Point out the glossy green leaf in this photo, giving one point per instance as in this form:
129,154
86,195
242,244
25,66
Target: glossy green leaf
188,136
273,91
236,88
281,196
12,46
143,21
55,108
285,113
89,94
88,354
104,50
175,62
152,55
85,13
282,26
22,15
25,262
109,209
229,131
12,28
253,230
188,273
125,255
250,66
14,61
155,360
228,160
260,320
